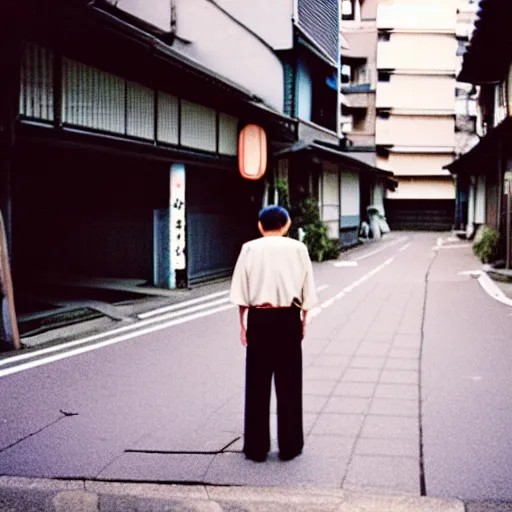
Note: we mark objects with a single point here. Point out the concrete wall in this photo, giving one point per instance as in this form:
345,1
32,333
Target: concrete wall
414,188
156,12
418,14
224,46
270,19
369,10
419,93
419,164
409,130
415,51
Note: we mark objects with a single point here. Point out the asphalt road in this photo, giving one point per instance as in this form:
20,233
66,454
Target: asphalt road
407,387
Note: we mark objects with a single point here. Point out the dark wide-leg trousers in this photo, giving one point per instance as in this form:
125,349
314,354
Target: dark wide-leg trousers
274,348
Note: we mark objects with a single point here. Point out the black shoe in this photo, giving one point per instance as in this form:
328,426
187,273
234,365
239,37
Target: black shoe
256,457
284,456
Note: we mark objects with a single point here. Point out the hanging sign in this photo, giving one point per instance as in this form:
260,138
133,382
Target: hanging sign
252,152
177,219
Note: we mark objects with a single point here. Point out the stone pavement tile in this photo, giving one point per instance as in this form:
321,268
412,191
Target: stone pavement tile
160,491
313,403
390,427
370,349
390,447
275,499
139,504
373,336
355,389
402,364
404,353
479,506
399,391
347,405
400,474
43,484
407,341
347,425
307,469
318,387
81,501
212,438
323,373
410,325
328,446
238,445
361,375
399,377
18,500
333,360
314,346
235,404
59,453
158,467
366,502
375,363
341,348
309,421
394,407
218,422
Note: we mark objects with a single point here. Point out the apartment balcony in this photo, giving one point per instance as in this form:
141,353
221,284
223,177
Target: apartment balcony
358,95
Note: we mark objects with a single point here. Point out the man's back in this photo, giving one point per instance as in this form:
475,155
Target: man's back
273,270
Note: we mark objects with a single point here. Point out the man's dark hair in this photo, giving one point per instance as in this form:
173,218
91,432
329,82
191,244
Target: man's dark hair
273,217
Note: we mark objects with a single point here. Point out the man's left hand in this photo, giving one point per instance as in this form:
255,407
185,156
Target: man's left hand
243,336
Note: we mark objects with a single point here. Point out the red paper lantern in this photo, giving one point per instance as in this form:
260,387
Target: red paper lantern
252,152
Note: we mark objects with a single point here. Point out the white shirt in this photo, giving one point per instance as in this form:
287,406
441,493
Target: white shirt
273,270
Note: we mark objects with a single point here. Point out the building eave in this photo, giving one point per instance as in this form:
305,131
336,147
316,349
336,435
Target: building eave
488,55
476,161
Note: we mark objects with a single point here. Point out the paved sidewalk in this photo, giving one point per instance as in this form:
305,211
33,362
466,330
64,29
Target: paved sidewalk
362,362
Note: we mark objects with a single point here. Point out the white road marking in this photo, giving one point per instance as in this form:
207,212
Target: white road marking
406,246
136,326
182,305
383,248
493,289
317,310
192,309
458,246
346,263
327,303
368,275
111,341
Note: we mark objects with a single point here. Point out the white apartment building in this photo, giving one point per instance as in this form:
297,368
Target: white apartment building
415,125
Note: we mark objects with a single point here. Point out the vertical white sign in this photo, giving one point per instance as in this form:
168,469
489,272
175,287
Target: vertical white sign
177,218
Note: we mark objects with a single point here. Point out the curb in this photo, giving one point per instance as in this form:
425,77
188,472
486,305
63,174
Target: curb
91,496
493,289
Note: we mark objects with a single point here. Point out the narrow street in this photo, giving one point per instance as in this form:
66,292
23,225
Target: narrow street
407,387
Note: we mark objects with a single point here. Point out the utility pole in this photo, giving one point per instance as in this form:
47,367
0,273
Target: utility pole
10,59
9,334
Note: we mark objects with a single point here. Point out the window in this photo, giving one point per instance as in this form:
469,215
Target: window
384,36
384,76
349,9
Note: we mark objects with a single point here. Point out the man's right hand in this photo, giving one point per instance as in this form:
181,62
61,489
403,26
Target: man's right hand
243,336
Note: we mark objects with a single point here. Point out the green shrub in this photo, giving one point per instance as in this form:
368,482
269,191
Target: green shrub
316,238
485,245
283,194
